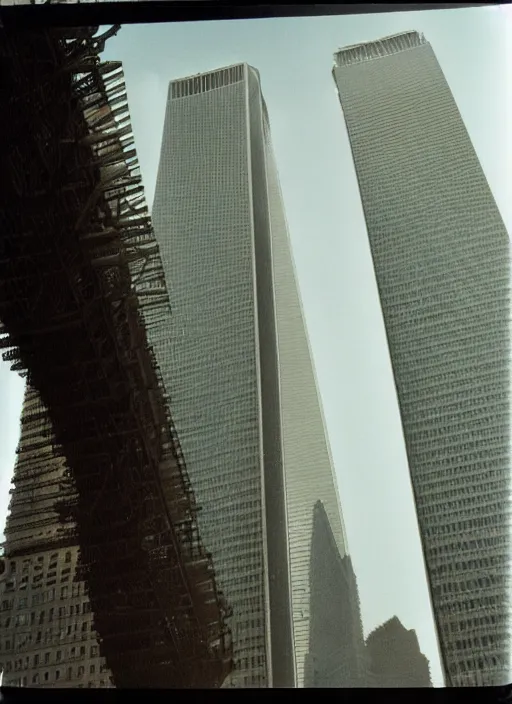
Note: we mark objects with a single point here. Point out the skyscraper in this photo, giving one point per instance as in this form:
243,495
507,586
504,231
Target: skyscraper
237,366
441,258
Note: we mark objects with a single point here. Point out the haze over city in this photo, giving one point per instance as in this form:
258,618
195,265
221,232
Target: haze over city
294,57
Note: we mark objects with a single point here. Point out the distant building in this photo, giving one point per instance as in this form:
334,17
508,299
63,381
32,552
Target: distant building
337,656
394,657
441,255
47,636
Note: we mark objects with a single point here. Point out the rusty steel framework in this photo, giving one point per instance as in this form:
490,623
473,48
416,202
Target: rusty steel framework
80,283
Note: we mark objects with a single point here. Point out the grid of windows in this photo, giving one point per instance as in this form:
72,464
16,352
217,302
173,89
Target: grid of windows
208,356
219,219
47,637
441,258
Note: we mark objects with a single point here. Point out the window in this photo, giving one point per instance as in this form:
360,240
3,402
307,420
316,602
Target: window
68,557
46,676
82,650
59,655
50,614
35,678
92,669
84,626
62,611
94,651
36,660
41,617
47,658
75,589
64,592
51,594
57,674
70,673
73,652
81,671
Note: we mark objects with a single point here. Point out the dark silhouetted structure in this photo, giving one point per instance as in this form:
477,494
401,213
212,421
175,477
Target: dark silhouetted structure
102,506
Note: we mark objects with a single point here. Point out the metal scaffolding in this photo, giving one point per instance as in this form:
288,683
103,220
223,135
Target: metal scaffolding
81,283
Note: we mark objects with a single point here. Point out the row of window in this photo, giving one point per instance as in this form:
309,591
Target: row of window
462,526
44,597
479,663
23,682
24,619
27,563
472,623
75,651
70,674
24,639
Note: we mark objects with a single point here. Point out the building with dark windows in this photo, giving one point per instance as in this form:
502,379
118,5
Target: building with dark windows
441,257
337,654
238,369
47,637
395,659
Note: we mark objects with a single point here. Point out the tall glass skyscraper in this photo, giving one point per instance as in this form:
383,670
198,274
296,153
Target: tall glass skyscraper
441,258
238,369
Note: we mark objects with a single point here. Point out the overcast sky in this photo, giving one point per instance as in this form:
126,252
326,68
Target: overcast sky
331,251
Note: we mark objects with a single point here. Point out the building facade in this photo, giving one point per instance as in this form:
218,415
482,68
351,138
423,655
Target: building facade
395,659
441,259
47,637
237,367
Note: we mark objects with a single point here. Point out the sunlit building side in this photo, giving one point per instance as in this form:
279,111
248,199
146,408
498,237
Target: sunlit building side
441,257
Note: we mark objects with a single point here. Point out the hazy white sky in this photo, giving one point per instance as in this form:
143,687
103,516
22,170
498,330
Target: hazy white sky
294,57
